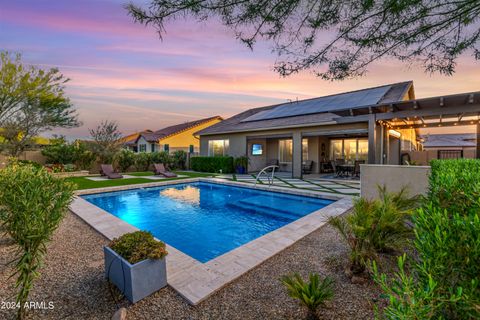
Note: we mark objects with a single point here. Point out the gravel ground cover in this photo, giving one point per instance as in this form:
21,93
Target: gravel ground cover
73,279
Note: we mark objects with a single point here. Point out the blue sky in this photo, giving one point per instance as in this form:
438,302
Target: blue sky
122,71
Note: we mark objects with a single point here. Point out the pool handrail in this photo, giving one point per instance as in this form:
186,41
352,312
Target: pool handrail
264,170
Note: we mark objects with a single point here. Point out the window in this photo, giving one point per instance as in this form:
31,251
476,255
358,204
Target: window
349,149
285,150
362,153
218,147
142,147
304,149
153,147
336,152
166,148
257,149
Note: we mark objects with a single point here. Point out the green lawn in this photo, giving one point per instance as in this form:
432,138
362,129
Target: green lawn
84,183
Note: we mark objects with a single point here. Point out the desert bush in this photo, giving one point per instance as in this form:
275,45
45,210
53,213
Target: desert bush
138,246
64,153
311,294
455,185
444,280
212,164
161,157
142,161
376,226
179,160
124,159
60,151
14,161
32,205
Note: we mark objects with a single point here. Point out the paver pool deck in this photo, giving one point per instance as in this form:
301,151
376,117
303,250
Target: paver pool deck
193,280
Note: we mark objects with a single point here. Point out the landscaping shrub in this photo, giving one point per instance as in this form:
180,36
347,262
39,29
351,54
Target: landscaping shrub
161,157
124,159
455,185
179,160
241,164
62,152
444,281
376,226
212,164
32,205
311,294
85,158
18,162
138,246
142,161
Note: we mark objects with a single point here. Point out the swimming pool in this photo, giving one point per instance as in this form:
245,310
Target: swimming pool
205,220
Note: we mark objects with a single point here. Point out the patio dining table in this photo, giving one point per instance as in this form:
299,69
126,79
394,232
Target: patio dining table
346,169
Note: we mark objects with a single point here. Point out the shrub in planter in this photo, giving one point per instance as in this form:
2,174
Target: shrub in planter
241,165
142,161
32,205
212,164
311,294
135,263
124,159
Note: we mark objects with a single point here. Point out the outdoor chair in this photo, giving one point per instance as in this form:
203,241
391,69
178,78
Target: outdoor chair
160,170
356,169
107,170
307,166
336,173
272,162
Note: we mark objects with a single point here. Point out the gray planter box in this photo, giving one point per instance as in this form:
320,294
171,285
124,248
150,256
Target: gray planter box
136,281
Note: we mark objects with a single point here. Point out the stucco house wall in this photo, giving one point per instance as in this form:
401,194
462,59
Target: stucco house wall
183,140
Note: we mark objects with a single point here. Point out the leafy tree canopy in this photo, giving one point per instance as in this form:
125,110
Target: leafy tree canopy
338,39
32,100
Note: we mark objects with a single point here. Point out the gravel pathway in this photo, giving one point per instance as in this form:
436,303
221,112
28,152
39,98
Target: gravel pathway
73,279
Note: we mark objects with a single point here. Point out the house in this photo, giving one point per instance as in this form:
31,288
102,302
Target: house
177,137
373,124
452,145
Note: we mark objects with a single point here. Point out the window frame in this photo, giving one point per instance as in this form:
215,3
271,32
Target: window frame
225,147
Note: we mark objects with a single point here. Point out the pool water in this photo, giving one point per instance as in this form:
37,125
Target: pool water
205,220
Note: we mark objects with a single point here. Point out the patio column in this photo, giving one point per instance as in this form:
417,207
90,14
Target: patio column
372,139
297,155
478,141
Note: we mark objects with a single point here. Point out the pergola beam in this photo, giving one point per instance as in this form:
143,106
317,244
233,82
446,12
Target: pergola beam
436,124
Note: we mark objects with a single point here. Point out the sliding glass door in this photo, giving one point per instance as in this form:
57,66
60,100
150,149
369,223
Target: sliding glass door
349,149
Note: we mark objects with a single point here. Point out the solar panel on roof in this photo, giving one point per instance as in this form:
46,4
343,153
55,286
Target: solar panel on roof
323,104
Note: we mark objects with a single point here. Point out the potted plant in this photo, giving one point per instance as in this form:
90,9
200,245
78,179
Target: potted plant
241,164
135,263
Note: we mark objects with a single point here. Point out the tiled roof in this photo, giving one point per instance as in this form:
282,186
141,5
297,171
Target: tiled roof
171,130
251,121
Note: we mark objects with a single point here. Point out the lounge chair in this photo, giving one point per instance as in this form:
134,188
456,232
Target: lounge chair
160,170
107,170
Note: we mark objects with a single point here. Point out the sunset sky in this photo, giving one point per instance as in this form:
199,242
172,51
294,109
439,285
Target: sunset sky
122,71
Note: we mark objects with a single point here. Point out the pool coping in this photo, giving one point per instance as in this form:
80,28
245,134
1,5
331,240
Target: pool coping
193,280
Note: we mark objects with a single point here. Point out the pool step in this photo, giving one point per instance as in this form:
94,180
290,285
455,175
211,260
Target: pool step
276,211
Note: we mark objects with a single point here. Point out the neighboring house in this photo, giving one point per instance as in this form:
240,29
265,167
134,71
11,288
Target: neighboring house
454,145
374,125
173,138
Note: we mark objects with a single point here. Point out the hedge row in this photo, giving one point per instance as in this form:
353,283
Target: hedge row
212,164
455,185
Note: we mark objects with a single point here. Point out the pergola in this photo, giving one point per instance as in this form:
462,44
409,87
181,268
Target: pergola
442,111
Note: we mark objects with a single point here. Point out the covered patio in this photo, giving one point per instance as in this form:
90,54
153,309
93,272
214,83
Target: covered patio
376,134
